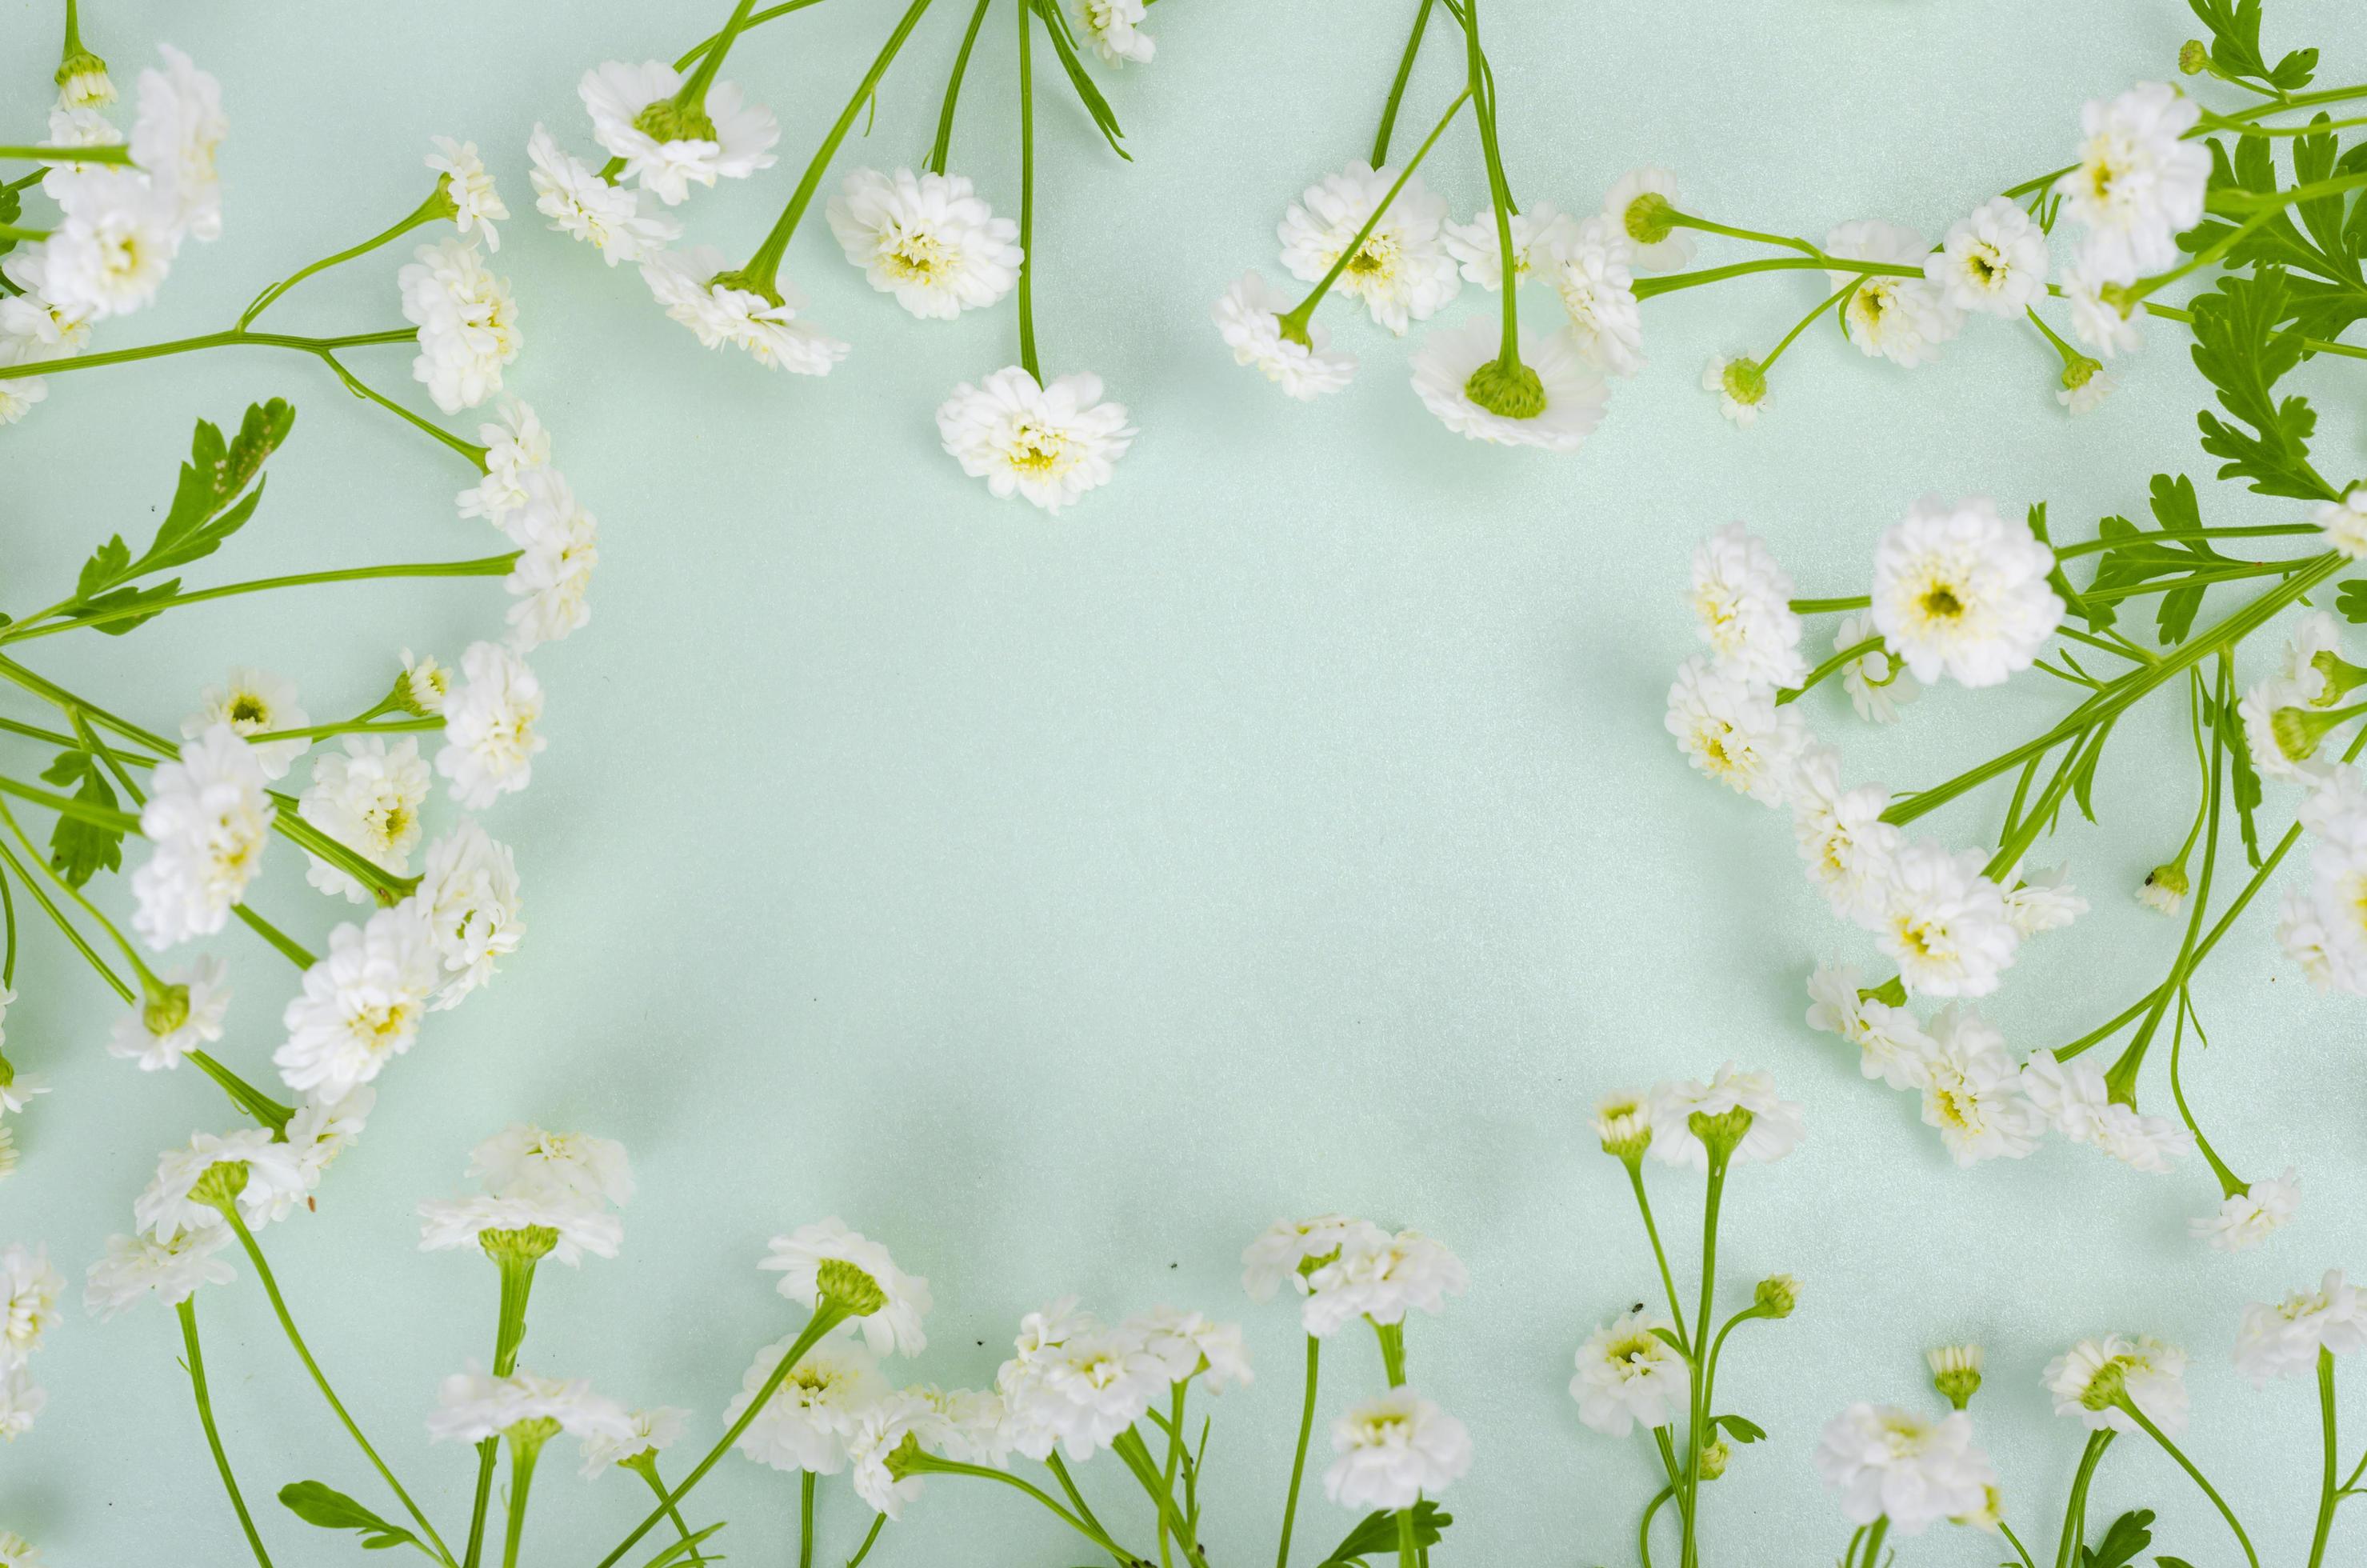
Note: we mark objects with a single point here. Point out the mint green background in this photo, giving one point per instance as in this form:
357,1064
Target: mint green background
1290,827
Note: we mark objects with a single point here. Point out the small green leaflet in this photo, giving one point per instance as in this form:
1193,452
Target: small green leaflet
2325,248
1741,1429
80,850
2137,556
1376,1536
2350,598
2229,726
12,206
2130,1534
331,1509
2236,45
2240,353
682,1552
1064,44
206,510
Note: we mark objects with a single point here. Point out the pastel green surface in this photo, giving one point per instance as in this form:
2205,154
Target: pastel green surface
1290,827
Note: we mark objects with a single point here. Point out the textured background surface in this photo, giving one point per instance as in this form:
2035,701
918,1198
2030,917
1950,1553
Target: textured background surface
1291,828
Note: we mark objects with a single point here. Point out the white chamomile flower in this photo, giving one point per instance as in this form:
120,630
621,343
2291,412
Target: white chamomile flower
1249,317
696,290
526,1161
2150,1144
489,719
928,239
190,1014
467,323
361,1003
2257,711
114,243
1994,262
207,816
646,1432
1742,607
168,1206
664,149
1943,922
1114,29
806,1422
1848,847
2100,325
2152,1373
907,1413
368,798
1733,732
803,1259
1047,444
20,396
422,685
1637,208
30,1288
1741,383
462,1223
469,886
1627,1374
82,82
1393,1451
626,223
135,1267
1913,1470
472,1406
1903,320
1775,1126
1191,1344
1380,1276
2303,936
559,544
1401,271
1291,1250
2138,184
1593,273
1891,1045
2285,1339
1959,590
2040,899
2344,522
176,139
21,1402
1554,399
1877,681
1973,1092
517,452
1077,1383
2249,1217
476,204
254,702
324,1128
1538,234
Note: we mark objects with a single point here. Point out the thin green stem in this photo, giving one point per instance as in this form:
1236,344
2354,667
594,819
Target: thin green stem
1298,1459
1873,1539
1499,190
805,1518
1838,297
1670,283
1397,87
692,90
473,453
2258,530
2145,1423
42,153
1294,324
1840,661
879,1522
930,1464
1075,1493
1840,605
2326,1495
1644,1530
943,147
691,56
197,1364
483,566
1659,1254
523,1455
1026,289
81,945
437,205
2015,1541
1788,241
2074,1509
230,339
645,1465
1695,1433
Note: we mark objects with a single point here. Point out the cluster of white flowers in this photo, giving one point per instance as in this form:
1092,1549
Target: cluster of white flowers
2322,924
1078,1384
468,323
565,1183
29,1289
1345,1269
524,495
1917,1471
2138,184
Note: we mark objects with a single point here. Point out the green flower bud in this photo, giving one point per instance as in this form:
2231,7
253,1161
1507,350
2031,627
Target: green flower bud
666,120
1776,1295
1956,1373
850,1287
2193,56
1510,390
1649,218
1715,1459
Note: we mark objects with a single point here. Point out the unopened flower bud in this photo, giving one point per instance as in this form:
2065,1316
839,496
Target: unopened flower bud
1715,1459
2164,888
83,80
1956,1373
1776,1295
2193,56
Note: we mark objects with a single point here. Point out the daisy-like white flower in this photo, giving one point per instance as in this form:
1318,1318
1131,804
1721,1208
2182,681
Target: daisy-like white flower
1848,847
30,1288
1994,262
473,1405
1637,208
20,1090
1959,589
489,719
805,1258
115,240
208,816
1380,1276
1082,1386
1973,1092
974,1425
1775,1126
1903,320
1047,444
2303,936
1593,273
2344,522
467,323
664,149
928,239
368,798
21,1402
1917,1471
2099,325
189,1015
1554,399
1538,234
18,397
322,1128
1742,607
2072,1096
468,887
517,454
806,1422
461,177
1741,383
166,1208
697,291
2257,711
626,223
1191,1344
1291,1250
1393,1451
1878,682
1891,1045
1401,271
2279,1340
2251,1216
1627,1373
462,1223
33,320
1114,29
1249,317
2153,1373
526,1161
2150,1144
362,1003
136,1267
176,139
2138,184
646,1432
1733,732
2041,899
908,1413
2085,386
1944,922
254,702
559,544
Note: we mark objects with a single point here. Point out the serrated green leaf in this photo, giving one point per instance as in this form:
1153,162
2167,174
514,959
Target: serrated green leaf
2241,354
331,1509
207,508
2130,1534
2236,45
1740,1428
1097,107
1376,1535
2351,599
2083,777
2247,778
79,849
129,608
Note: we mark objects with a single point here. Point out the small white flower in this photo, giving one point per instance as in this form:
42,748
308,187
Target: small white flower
1945,923
2247,1219
1903,320
1776,1126
467,323
1741,387
517,454
208,816
2257,711
1635,207
1076,1382
254,702
2154,1375
2102,326
526,1161
2040,900
468,887
559,544
2138,184
1885,1461
157,1039
1114,28
113,245
1850,850
928,239
2281,1340
138,1266
1291,1250
1570,394
361,1004
1627,1374
21,1400
1742,604
692,287
1891,1045
1994,262
322,1128
1878,683
368,798
1380,1276
625,224
975,1427
1047,444
1973,1092
1592,272
1190,1345
646,1432
1401,271
2164,888
877,1432
424,684
1960,590
1249,317
472,1406
30,1288
88,87
1538,234
476,204
461,1223
2084,387
489,719
618,96
1394,1451
2344,522
177,139
2303,936
807,1422
1733,733
895,1327
274,1184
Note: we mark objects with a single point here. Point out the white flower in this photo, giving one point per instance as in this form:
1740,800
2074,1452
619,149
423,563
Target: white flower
2344,522
1561,413
29,1289
1973,1092
1627,1374
1917,1471
461,1222
626,224
138,1266
1945,923
18,397
1740,384
1249,317
1401,271
525,1161
472,1406
7,1152
2281,1340
2147,1143
476,204
1878,683
368,798
88,86
2247,1219
113,245
1049,444
176,138
618,96
157,1039
1742,602
2084,387
1379,1275
1848,847
274,1184
559,544
2164,888
424,684
691,285
1994,262
799,1257
208,816
807,1422
975,1427
21,1400
490,739
517,453
468,887
2041,900
1077,1383
466,321
2153,1373
1393,1451
2071,1095
1636,207
1733,733
321,1130
362,1003
18,1092
1775,1128
1190,1345
1959,589
646,1432
1891,1045
877,1432
2303,936
2138,184
1291,1250
1903,320
32,320
2100,325
254,702
1115,27
1538,234
928,239
1593,273
2257,710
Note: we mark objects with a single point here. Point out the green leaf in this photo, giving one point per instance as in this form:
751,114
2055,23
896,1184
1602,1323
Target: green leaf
1376,1535
2130,1534
2096,616
685,1550
1064,45
2230,725
2241,354
2174,1562
2236,45
149,602
12,206
2083,778
323,1506
79,850
1740,1428
2351,599
207,508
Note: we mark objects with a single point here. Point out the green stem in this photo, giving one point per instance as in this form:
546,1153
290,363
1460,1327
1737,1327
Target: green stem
1872,1555
943,147
1670,282
41,152
483,566
2145,1424
805,1518
1789,242
930,1464
1174,1454
1838,297
349,727
2074,1509
2258,530
1644,1530
692,90
879,1522
1076,1496
1840,661
197,1363
437,205
473,453
2015,1541
245,1096
234,338
81,945
1832,607
2326,1496
523,1456
1130,1448
1698,1420
1026,289
1294,324
1396,88
691,56
1659,1254
645,1465
1500,191
1299,1459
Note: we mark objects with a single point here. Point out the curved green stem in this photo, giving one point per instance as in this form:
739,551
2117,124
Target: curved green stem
2129,1407
943,149
2327,1495
879,1522
234,338
1659,1254
1397,87
1294,324
473,453
437,205
197,1363
691,56
1299,1459
1840,661
1789,242
1838,297
930,1464
483,566
2074,1509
